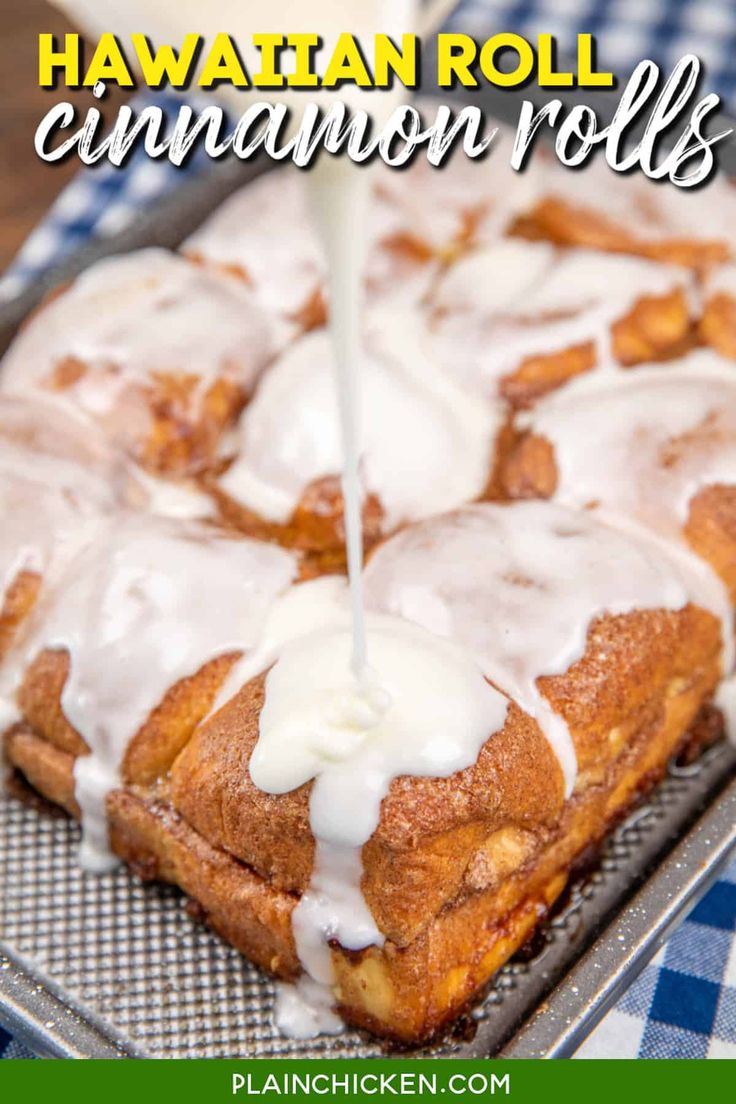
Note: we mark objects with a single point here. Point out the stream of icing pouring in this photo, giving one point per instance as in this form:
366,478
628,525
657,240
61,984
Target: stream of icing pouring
366,696
339,194
314,685
346,683
355,698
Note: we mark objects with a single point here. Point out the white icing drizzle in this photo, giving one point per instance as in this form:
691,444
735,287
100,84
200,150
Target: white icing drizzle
355,711
641,444
516,299
306,1009
465,201
131,318
57,480
300,610
265,231
149,603
423,708
290,432
339,195
519,586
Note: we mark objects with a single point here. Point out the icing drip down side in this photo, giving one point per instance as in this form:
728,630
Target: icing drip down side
519,587
422,708
148,604
130,319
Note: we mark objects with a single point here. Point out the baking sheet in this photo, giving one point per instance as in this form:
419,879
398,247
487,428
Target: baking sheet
106,967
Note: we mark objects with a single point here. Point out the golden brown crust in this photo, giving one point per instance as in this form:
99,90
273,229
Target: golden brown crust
438,839
538,375
416,859
180,443
529,470
655,328
565,223
711,531
154,747
431,830
316,529
47,767
18,601
718,324
39,699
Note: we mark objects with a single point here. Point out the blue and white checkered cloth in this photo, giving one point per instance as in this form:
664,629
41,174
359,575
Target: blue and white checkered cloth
626,30
100,201
684,1003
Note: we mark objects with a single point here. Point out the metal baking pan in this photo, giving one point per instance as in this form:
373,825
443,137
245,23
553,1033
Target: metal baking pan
106,967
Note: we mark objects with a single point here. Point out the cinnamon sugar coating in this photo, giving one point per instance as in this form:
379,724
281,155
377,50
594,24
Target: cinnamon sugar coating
406,992
438,840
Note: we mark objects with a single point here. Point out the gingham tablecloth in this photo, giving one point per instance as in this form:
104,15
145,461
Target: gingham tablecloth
684,1003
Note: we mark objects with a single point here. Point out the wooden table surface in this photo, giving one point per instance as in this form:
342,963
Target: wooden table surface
27,184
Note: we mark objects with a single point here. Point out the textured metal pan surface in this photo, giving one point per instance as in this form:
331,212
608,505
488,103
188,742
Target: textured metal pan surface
105,967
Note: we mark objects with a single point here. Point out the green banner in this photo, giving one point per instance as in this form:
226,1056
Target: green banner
592,1082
